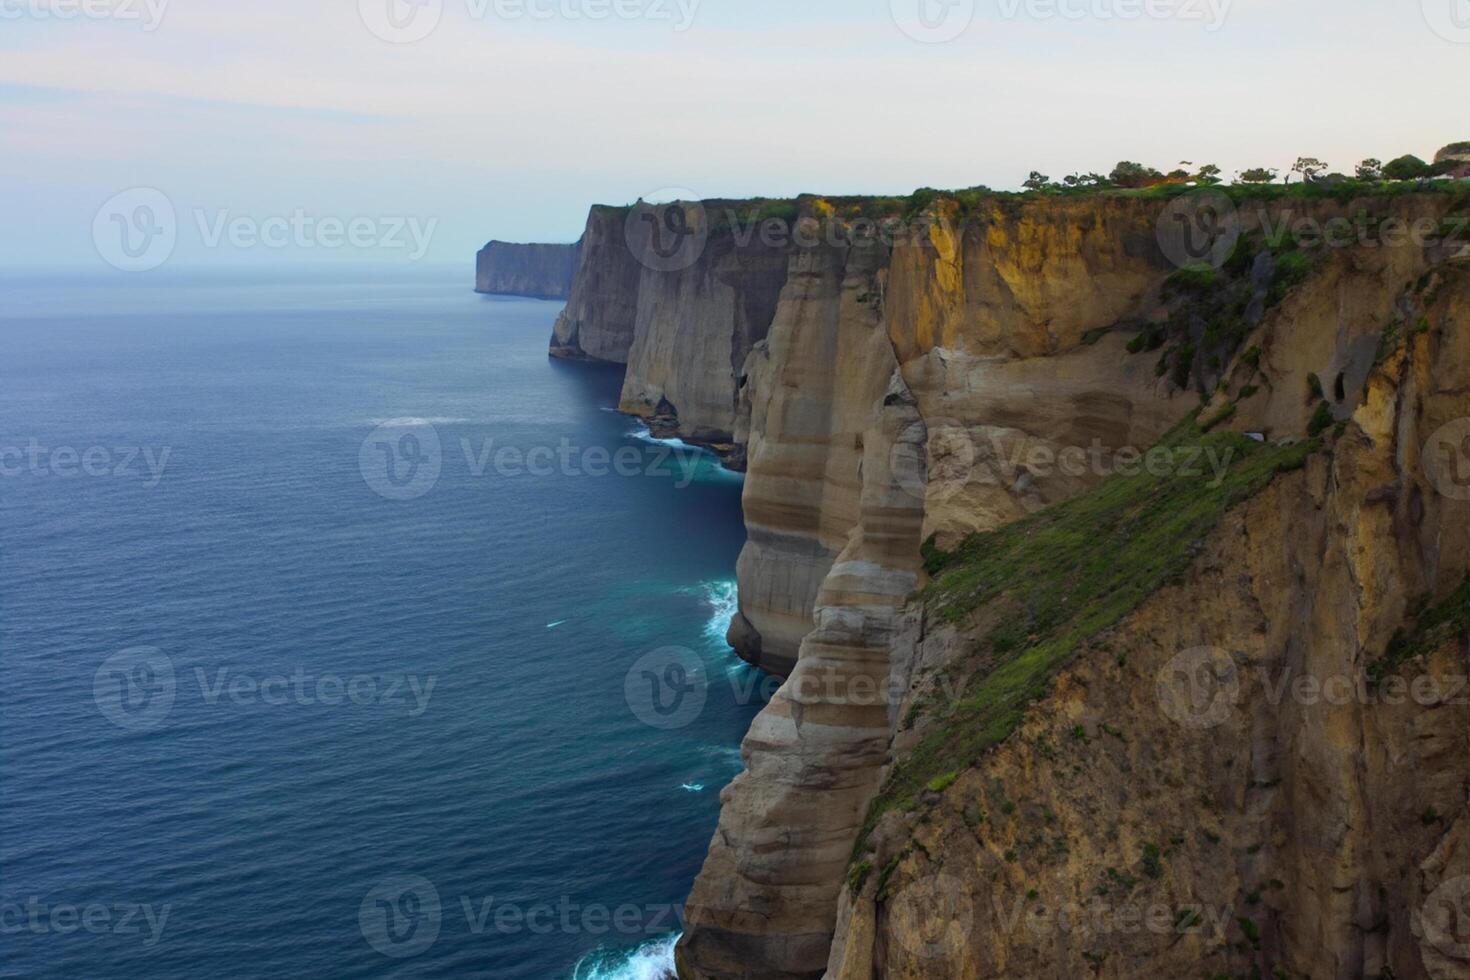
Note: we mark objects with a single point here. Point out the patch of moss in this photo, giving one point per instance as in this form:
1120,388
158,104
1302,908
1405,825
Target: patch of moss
1322,419
1192,279
1063,576
1433,627
857,875
1225,414
941,783
1153,865
1293,268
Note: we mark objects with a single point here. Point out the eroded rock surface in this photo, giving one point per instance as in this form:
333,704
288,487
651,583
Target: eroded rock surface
897,395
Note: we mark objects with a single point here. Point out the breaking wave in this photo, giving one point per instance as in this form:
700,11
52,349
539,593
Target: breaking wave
652,961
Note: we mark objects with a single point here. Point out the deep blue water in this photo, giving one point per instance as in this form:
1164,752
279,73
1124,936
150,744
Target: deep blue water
370,708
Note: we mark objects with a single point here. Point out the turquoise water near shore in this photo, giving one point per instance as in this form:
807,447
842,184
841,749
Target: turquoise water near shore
285,724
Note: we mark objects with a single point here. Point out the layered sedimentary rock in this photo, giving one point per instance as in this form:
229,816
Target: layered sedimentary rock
538,271
780,851
681,307
598,321
1303,813
897,393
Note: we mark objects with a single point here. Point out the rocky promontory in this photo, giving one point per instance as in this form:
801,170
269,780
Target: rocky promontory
537,271
1065,511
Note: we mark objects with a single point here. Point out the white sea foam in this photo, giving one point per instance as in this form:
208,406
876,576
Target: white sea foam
642,433
653,961
693,787
723,598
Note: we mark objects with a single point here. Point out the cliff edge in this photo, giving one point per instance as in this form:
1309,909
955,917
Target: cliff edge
1064,512
537,271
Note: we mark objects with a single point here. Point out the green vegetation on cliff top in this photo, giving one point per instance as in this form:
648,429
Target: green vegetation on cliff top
726,214
1052,582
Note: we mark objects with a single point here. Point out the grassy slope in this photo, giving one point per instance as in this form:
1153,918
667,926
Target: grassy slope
1063,576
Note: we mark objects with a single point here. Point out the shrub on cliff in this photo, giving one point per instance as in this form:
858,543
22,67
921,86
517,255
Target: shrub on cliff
1408,167
1257,175
1038,181
1134,175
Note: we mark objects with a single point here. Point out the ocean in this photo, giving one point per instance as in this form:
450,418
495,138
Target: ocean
345,634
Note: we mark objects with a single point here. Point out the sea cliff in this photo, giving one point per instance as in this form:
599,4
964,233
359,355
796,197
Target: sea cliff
1020,471
538,271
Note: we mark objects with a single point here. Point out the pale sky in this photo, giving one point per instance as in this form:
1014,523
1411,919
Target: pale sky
510,117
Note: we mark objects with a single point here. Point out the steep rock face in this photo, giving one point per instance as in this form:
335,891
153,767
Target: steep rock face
859,432
1284,816
961,378
968,316
809,398
1003,377
779,853
683,320
1454,153
694,327
603,303
538,271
